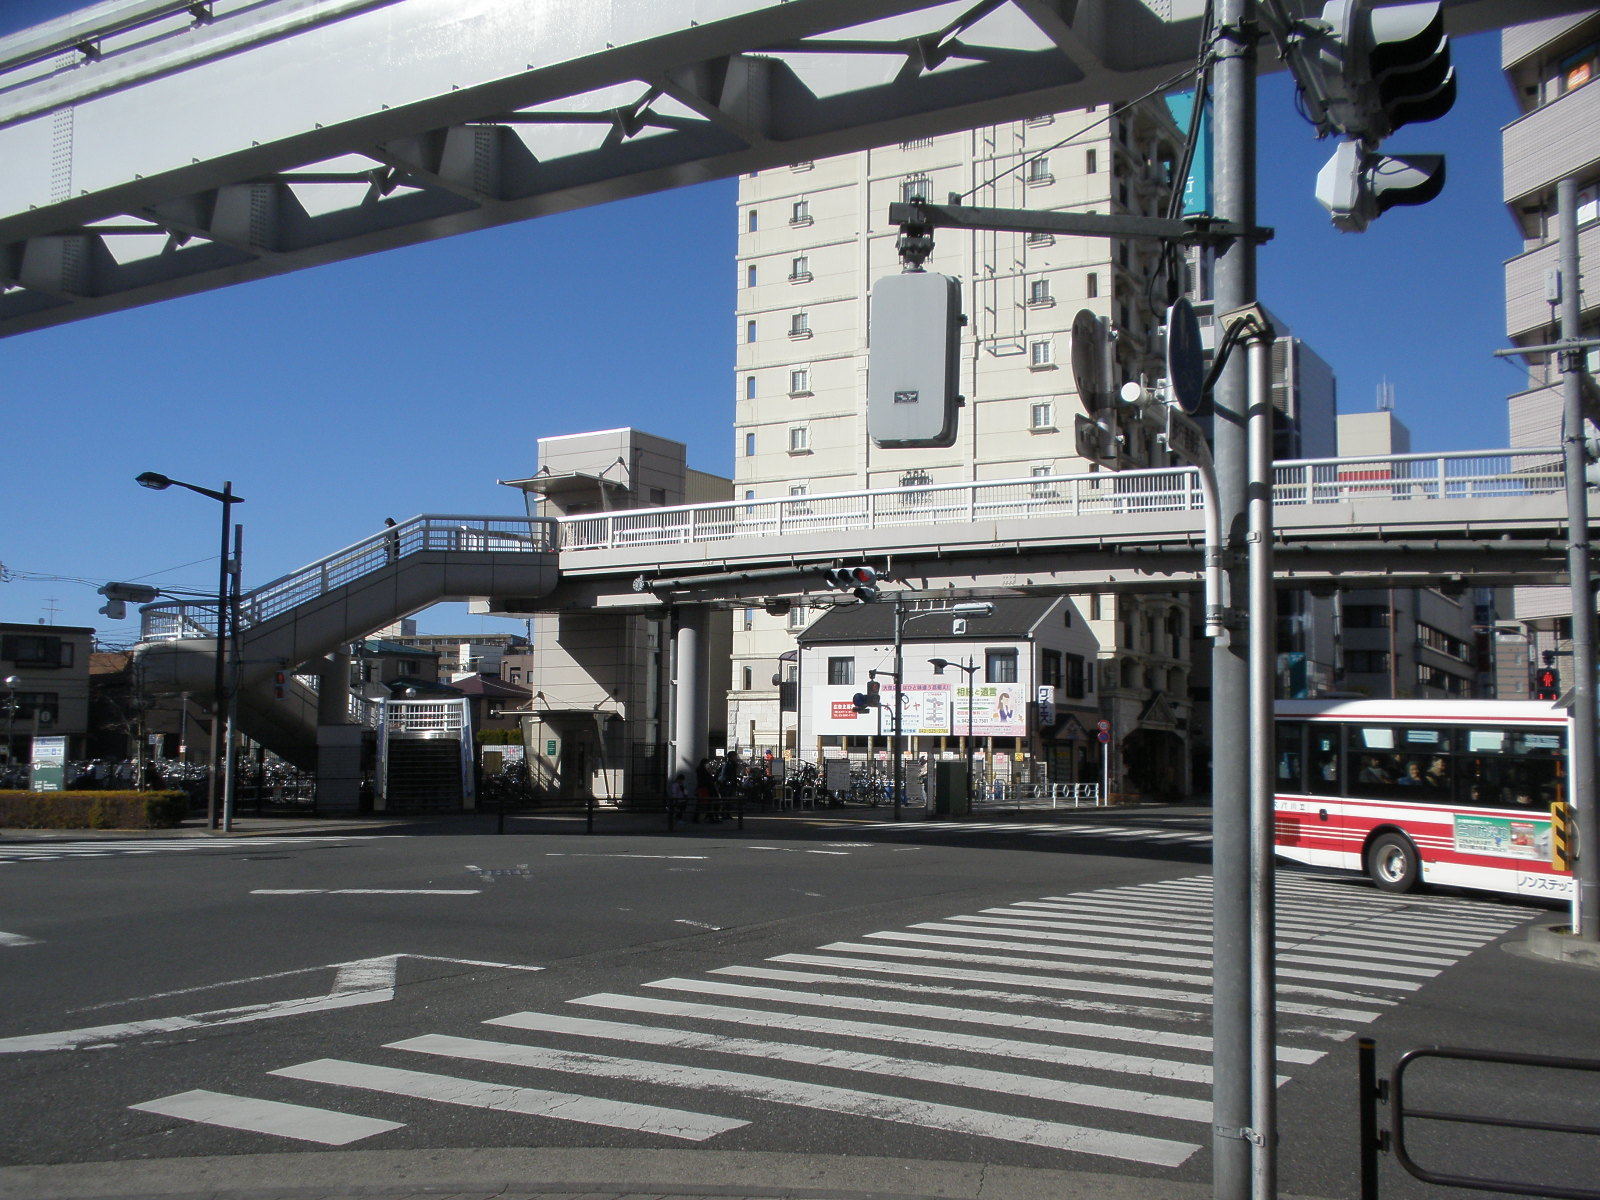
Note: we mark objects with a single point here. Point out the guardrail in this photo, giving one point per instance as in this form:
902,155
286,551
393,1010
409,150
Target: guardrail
1372,1091
187,619
1465,475
1016,797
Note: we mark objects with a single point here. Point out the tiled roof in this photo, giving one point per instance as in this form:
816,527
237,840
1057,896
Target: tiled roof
1013,617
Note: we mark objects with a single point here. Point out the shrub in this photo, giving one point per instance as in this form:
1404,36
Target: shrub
92,810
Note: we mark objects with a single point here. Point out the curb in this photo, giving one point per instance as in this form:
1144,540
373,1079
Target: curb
1556,943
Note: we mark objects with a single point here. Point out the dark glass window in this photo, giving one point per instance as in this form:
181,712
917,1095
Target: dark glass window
1290,756
1000,666
841,671
1322,760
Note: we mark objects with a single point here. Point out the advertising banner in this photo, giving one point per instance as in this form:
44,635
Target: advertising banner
1505,837
925,711
998,710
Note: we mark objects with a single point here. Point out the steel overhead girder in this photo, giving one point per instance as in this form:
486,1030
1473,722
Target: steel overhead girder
155,148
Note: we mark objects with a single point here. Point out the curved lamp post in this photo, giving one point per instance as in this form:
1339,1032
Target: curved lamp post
976,608
226,497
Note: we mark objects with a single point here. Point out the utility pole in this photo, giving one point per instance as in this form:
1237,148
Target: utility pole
1234,76
1582,793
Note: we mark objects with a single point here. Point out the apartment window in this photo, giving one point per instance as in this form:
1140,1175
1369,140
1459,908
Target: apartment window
805,164
1366,662
800,325
1364,616
1077,682
36,650
800,269
999,666
749,679
658,497
1042,416
915,188
800,213
800,381
750,276
1039,292
749,387
1050,668
1588,204
751,222
749,619
1579,68
1042,488
1039,170
30,704
1047,119
1092,285
797,617
916,144
841,672
1094,607
797,494
1091,162
749,494
749,445
799,439
749,331
1041,353
1041,239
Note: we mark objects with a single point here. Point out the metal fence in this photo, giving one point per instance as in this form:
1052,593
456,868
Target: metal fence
1463,475
436,533
1004,795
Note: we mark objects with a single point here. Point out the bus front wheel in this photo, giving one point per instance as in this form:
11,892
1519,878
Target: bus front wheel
1393,863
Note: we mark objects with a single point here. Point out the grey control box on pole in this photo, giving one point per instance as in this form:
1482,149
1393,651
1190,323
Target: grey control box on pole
913,360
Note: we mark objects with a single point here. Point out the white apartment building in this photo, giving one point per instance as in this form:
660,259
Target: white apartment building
812,238
1552,67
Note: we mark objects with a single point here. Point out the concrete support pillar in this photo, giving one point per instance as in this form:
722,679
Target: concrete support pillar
691,689
338,741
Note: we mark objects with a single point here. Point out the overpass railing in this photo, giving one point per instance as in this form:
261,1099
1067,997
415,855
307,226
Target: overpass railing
191,618
1466,475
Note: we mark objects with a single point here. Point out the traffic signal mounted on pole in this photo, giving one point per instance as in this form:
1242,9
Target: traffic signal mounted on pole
280,684
120,595
1547,684
859,579
1365,72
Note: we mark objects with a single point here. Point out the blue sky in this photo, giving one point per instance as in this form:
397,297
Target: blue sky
411,381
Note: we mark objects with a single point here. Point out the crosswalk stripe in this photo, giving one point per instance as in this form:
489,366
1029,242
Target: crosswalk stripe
1007,1083
1095,987
267,1116
1123,957
969,1016
1128,1064
944,1117
17,939
532,1102
1466,921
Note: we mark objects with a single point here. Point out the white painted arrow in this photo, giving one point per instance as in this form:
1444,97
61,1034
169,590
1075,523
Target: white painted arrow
363,981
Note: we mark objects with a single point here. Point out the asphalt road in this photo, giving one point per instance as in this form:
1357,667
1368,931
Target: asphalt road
1033,997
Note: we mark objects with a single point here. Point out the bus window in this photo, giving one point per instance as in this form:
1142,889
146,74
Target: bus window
1289,756
1322,760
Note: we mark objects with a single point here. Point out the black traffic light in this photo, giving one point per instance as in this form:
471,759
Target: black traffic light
859,579
870,699
280,684
1547,684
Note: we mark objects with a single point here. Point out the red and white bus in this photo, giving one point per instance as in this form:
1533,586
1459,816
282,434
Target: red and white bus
1454,792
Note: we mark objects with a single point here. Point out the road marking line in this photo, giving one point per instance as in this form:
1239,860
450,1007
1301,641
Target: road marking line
17,939
945,1117
367,892
696,924
1074,1056
1007,1083
532,1102
267,1116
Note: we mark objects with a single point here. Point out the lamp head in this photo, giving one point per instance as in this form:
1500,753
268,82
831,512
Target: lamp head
153,480
939,664
977,608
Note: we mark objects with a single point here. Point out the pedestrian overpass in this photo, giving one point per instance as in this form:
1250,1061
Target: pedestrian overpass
1494,516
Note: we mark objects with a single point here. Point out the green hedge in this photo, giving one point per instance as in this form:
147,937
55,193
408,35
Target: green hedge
92,810
499,737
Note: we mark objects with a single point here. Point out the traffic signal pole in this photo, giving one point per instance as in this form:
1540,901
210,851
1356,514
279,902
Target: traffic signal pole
1234,111
1581,793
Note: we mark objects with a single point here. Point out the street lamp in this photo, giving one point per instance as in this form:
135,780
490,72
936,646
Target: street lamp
976,608
226,497
939,664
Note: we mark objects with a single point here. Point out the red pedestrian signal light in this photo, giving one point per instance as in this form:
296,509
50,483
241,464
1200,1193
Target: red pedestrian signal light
280,684
1547,684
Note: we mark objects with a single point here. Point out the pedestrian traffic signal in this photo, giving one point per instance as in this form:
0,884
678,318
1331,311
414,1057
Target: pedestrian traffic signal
280,684
1547,684
860,579
870,699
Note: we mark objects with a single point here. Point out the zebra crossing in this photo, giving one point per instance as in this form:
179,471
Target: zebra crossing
19,852
1076,1024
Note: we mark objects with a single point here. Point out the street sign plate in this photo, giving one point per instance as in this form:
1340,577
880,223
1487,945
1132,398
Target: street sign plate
1103,736
1088,360
1103,725
1186,357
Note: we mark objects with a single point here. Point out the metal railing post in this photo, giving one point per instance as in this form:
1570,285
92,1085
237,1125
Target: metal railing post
1367,1091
